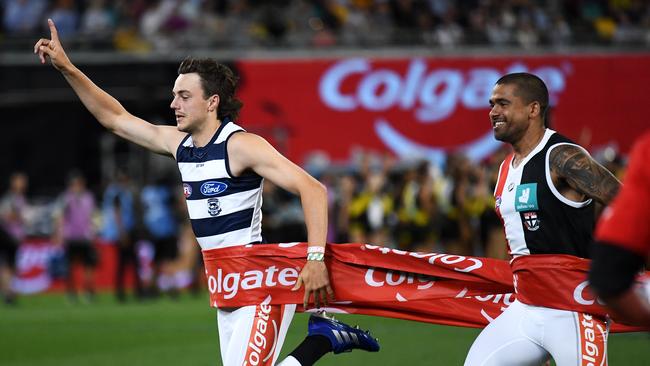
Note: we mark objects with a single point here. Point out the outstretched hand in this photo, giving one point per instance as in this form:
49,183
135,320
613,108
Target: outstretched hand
316,280
52,49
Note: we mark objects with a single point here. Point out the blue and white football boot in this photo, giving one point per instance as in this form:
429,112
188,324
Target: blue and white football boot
343,337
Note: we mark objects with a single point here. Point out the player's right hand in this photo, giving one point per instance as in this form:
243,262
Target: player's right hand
52,49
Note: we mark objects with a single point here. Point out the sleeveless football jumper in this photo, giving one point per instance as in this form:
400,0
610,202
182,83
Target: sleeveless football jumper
536,217
224,210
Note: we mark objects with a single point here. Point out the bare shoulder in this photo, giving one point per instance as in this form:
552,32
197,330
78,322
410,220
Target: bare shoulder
579,170
171,137
246,143
247,151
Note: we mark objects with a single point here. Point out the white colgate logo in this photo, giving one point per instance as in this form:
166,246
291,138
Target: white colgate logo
392,278
464,264
433,95
259,339
230,283
579,295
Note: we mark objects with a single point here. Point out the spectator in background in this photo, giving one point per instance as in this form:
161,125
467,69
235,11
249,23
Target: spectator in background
560,33
23,17
526,35
417,208
76,209
97,21
449,33
161,226
66,16
491,232
456,231
283,215
127,254
346,188
8,248
370,211
405,14
118,212
13,215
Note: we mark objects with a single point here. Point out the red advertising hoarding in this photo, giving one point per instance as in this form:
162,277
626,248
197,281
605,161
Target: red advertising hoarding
427,106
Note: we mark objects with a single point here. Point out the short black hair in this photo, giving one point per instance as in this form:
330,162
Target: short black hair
216,78
529,87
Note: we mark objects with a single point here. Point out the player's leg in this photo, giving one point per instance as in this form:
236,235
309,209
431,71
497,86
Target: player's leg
510,339
326,334
253,335
576,338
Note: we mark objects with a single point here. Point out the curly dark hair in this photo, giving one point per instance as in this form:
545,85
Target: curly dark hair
216,79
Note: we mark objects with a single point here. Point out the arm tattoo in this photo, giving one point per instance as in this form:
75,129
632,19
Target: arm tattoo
583,173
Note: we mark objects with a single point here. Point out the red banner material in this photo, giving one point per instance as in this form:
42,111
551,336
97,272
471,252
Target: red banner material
429,106
428,287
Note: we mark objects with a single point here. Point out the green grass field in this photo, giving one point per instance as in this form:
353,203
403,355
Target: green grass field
46,330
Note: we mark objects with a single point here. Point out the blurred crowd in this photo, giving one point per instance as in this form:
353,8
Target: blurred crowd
373,198
165,25
147,226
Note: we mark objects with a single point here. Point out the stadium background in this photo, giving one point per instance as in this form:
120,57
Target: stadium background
359,92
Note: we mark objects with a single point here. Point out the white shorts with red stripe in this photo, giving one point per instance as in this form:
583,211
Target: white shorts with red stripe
253,335
530,335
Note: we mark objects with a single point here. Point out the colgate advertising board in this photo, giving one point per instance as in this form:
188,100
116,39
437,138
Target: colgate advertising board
428,106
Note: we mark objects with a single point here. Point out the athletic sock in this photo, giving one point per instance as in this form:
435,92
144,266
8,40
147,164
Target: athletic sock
311,350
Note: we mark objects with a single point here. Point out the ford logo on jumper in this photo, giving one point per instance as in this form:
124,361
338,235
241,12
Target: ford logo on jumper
212,188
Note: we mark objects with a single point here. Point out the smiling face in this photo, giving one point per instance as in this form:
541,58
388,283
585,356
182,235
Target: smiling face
190,106
510,114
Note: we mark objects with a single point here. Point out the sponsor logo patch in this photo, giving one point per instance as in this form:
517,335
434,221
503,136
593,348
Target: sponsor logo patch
213,188
526,197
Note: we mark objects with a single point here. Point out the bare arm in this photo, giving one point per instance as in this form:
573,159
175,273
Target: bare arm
582,173
108,111
249,151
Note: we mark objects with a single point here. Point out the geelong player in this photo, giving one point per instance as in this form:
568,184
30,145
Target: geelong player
223,168
623,236
545,198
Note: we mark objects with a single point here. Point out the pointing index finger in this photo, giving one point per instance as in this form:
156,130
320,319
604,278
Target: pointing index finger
54,34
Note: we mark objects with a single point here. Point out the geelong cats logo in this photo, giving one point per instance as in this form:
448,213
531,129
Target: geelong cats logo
214,207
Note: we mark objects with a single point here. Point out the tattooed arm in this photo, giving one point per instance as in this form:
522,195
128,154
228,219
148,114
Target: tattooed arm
572,167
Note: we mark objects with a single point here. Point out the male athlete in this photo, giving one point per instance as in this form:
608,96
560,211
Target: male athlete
623,242
223,168
545,197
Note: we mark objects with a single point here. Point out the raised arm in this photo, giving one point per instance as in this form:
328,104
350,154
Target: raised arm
574,166
249,151
108,111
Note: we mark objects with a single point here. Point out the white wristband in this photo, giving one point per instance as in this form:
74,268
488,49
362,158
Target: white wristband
316,249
